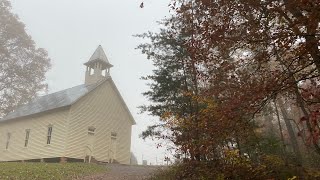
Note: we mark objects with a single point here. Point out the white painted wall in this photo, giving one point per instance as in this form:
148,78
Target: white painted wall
37,146
104,110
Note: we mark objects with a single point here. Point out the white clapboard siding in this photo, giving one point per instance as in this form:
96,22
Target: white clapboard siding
103,109
37,146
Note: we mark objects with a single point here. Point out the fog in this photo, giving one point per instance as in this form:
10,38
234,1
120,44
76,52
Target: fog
71,30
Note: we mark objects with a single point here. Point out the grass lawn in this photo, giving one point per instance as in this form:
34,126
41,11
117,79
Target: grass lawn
44,171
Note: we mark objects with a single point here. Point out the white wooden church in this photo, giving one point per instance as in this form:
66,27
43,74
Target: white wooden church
89,122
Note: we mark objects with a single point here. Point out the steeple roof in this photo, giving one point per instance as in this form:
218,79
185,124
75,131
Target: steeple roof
99,56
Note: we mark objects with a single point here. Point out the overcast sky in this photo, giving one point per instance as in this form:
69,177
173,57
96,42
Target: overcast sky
70,30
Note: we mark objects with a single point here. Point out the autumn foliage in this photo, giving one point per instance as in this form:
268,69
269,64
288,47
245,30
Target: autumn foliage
23,65
239,75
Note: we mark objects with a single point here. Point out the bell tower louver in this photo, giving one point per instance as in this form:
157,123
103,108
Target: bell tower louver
98,67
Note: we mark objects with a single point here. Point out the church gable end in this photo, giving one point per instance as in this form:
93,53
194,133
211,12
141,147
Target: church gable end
104,110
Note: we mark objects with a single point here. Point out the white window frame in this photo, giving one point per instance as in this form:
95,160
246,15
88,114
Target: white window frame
26,140
49,134
114,135
8,140
91,130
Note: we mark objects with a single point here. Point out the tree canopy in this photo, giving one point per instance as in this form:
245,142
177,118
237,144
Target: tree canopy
244,60
23,65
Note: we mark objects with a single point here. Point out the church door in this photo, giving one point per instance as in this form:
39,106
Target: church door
89,145
113,147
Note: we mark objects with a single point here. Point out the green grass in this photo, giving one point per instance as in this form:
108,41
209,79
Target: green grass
45,171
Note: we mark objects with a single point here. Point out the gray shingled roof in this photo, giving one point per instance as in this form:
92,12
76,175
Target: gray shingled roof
99,56
51,101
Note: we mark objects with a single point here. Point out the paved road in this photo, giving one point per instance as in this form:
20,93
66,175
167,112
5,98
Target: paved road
124,172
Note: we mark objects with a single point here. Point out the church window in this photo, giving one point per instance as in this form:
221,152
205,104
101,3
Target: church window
113,135
8,140
49,134
26,141
91,130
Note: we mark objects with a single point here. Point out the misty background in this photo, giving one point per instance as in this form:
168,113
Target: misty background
71,30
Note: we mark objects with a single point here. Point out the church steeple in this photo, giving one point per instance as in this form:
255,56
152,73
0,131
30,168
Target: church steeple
98,66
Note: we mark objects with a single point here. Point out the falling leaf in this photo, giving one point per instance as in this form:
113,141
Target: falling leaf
141,5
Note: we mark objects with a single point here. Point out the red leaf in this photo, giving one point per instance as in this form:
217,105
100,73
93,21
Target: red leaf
303,119
299,133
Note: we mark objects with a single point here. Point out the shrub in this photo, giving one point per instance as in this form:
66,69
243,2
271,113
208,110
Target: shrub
235,167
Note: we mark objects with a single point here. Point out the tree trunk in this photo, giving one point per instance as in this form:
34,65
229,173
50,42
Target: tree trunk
281,134
268,121
291,132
